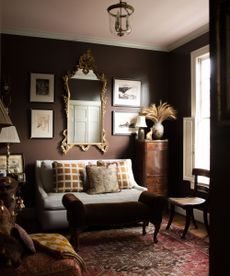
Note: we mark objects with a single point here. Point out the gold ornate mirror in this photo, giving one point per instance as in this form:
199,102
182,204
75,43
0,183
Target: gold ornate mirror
85,101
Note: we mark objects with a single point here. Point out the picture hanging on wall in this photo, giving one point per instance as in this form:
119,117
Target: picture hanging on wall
127,93
42,88
41,123
16,163
124,122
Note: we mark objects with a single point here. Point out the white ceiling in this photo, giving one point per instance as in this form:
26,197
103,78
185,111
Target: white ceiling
156,24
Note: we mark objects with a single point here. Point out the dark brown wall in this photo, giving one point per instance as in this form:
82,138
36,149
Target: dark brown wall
24,55
179,95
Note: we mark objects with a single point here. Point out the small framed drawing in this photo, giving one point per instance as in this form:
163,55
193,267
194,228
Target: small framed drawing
41,123
127,93
42,88
16,164
124,122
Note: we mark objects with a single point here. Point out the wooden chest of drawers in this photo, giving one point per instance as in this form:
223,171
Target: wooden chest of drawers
152,165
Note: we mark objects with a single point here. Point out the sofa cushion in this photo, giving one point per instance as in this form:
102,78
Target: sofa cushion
54,200
122,173
68,177
102,179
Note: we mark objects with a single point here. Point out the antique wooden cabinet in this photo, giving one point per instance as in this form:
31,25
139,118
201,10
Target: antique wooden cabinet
151,165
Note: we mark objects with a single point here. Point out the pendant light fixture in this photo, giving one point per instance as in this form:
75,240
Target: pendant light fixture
119,15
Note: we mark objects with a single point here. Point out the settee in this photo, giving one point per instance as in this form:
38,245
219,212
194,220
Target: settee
50,211
51,195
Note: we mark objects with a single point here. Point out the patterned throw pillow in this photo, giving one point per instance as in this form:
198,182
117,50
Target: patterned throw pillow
58,245
24,237
122,173
102,179
68,177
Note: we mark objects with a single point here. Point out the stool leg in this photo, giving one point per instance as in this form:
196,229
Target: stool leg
171,215
157,228
75,238
145,223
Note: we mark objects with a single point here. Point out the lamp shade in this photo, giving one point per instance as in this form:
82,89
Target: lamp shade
4,117
9,135
141,121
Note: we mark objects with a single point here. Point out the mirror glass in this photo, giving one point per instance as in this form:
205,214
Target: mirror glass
85,106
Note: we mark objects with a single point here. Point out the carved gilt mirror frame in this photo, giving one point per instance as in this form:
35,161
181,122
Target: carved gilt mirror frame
84,69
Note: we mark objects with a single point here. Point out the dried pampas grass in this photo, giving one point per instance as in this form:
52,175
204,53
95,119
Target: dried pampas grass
159,113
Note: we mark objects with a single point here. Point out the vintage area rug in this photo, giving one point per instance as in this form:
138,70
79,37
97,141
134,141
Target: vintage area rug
127,252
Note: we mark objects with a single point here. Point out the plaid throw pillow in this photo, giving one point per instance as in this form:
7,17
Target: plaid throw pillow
68,177
122,173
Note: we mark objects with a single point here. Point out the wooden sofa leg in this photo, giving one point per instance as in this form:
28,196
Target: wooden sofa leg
157,228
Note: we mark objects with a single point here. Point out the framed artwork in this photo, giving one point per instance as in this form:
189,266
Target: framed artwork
124,122
42,88
41,123
223,61
127,93
16,164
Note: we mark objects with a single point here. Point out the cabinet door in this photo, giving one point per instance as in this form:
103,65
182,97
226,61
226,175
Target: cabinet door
157,185
156,159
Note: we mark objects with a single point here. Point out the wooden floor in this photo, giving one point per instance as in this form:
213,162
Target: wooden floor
179,221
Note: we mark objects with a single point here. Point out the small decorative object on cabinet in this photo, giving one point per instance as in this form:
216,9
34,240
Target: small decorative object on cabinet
152,165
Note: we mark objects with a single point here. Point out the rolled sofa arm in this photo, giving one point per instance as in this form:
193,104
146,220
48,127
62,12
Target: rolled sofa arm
155,202
75,210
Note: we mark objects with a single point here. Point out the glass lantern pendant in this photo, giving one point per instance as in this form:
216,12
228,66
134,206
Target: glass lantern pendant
119,15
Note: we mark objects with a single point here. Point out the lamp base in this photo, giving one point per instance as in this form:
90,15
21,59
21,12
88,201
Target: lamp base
141,134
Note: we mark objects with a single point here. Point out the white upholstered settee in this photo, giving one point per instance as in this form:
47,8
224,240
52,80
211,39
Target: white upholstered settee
50,211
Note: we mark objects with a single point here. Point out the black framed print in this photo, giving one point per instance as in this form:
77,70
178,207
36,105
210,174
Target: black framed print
126,93
42,88
124,123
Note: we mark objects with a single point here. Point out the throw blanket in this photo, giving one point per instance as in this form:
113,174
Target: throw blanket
58,245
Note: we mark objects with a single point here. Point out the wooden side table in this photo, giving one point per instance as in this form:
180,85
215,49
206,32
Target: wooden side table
9,189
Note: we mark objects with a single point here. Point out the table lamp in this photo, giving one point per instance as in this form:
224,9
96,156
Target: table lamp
4,117
141,124
8,136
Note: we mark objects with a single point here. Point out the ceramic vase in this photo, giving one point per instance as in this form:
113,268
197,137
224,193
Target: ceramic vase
157,130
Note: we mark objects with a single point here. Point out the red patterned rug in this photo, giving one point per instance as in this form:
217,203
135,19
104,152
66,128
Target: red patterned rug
127,252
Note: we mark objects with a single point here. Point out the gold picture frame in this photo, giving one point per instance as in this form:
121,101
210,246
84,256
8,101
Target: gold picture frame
16,164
